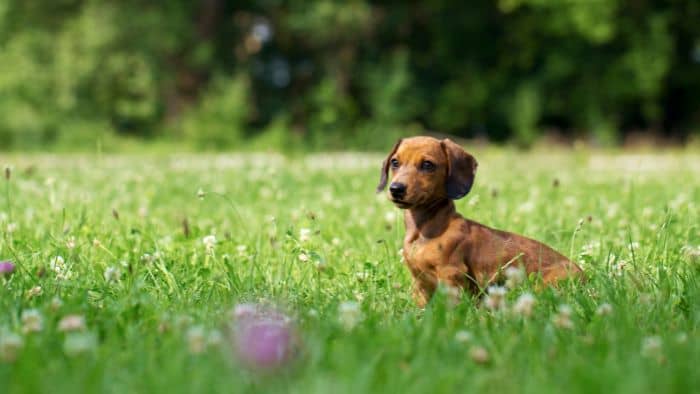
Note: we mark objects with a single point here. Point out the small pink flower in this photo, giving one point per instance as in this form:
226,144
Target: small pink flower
263,338
6,268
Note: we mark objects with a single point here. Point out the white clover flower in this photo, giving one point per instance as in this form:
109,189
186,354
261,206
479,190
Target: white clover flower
59,267
209,240
691,252
32,321
77,343
619,267
209,243
479,354
524,304
303,257
514,276
10,345
71,323
112,274
349,314
70,243
57,264
604,309
11,228
65,275
589,249
496,298
570,201
304,234
651,346
677,202
196,339
34,292
335,241
390,217
241,249
463,336
327,196
526,207
143,212
473,201
563,317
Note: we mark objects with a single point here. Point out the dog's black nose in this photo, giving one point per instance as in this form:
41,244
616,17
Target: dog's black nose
397,189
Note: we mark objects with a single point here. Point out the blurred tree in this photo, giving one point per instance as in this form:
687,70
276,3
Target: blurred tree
335,74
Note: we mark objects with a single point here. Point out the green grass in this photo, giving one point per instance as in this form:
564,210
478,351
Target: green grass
632,222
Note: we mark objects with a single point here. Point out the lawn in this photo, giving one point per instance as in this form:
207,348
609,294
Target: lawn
127,268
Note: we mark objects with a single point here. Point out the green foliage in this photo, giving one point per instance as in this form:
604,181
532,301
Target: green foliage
524,114
219,118
276,138
505,70
391,93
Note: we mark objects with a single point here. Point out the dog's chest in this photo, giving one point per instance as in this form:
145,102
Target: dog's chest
423,255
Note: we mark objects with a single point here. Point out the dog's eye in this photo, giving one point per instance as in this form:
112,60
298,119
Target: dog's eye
427,165
394,163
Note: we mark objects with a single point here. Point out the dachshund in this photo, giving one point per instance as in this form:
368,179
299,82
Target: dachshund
440,245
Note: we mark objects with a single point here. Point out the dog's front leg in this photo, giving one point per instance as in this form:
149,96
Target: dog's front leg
455,278
421,295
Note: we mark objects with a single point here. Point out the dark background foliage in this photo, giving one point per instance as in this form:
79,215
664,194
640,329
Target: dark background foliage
345,74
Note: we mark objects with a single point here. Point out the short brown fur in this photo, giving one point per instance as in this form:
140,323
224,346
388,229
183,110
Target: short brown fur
440,245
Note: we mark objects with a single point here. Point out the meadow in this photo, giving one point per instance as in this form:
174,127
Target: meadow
125,270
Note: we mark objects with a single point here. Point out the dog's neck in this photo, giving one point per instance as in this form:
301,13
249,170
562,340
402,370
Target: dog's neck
430,220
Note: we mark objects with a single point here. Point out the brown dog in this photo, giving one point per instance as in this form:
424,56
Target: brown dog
440,245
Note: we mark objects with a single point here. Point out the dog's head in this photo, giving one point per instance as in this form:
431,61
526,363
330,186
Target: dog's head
425,169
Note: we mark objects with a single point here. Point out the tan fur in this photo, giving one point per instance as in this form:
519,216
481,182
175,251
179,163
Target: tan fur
440,245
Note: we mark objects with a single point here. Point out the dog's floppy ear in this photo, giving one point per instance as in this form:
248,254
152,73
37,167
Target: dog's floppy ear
385,167
461,169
